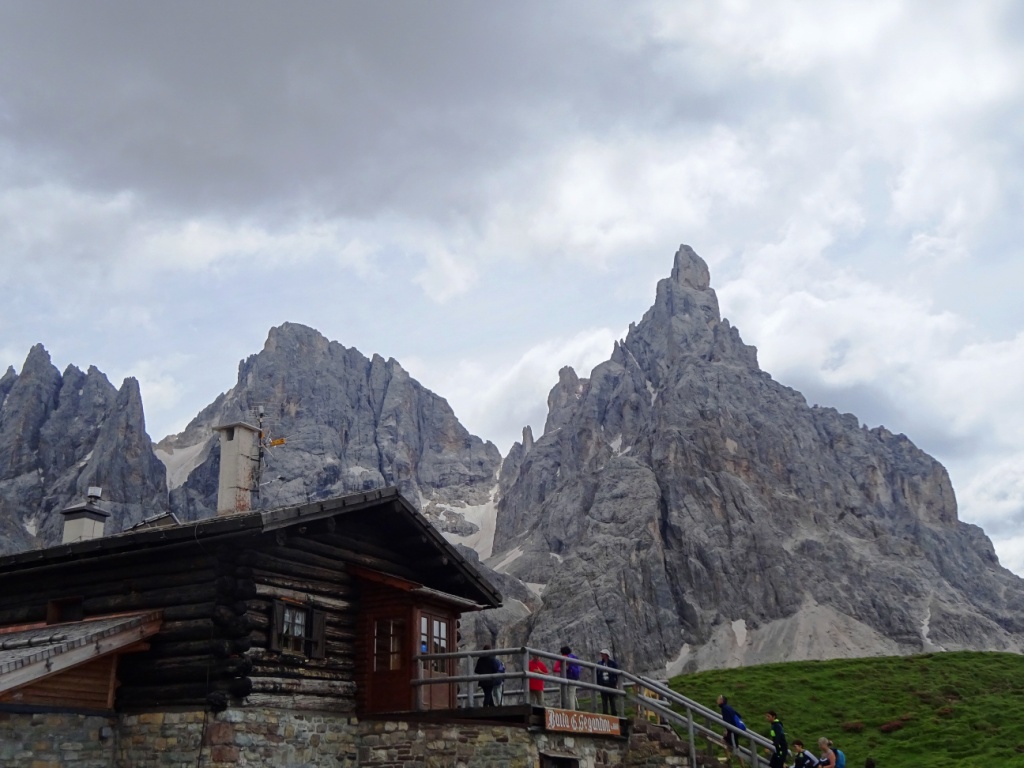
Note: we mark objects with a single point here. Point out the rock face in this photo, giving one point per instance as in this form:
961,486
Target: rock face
688,511
60,434
681,507
350,423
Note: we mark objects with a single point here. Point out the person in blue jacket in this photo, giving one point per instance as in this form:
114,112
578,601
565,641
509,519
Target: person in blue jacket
731,717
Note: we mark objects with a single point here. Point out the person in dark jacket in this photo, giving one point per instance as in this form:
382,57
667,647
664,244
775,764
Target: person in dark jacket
778,736
731,717
804,757
609,679
487,665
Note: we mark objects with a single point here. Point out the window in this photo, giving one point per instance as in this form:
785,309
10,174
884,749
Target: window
434,639
63,610
387,644
298,629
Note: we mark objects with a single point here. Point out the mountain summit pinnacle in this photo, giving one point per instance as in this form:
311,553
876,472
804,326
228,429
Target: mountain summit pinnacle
690,269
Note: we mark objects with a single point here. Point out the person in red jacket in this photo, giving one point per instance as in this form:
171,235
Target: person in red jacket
537,686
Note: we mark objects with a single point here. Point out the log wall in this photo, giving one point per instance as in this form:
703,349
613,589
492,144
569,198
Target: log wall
197,658
305,571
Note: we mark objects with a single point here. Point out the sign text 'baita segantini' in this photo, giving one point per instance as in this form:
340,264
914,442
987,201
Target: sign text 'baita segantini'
580,722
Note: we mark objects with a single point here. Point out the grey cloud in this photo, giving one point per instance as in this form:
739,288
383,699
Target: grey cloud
875,406
351,107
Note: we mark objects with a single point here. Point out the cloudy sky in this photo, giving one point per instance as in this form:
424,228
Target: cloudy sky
487,192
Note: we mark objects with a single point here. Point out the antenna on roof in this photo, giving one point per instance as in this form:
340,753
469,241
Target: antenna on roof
265,445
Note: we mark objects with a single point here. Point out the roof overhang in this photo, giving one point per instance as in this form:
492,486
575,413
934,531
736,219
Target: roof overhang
30,654
452,567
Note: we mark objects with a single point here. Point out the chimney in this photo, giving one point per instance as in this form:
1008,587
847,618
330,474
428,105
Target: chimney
239,460
83,522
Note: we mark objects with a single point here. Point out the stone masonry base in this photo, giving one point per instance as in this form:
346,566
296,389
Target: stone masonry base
246,738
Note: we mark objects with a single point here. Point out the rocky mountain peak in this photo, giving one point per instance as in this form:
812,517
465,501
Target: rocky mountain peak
351,423
37,362
59,434
684,508
564,398
290,336
690,270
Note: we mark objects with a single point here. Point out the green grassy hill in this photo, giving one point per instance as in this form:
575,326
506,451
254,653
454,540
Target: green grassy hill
939,710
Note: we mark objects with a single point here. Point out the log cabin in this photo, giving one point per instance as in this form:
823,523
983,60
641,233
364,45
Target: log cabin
320,606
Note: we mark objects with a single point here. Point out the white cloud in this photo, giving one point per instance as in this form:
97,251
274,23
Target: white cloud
852,172
496,396
160,384
598,199
445,273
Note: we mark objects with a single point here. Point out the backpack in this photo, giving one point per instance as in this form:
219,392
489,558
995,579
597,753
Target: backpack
840,758
498,666
739,722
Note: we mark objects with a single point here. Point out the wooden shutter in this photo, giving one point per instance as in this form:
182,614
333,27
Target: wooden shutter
318,639
276,626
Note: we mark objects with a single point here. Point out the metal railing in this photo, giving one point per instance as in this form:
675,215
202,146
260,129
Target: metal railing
694,719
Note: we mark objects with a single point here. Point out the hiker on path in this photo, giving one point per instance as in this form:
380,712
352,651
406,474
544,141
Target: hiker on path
537,686
609,679
731,717
572,672
487,665
778,736
840,756
804,757
828,757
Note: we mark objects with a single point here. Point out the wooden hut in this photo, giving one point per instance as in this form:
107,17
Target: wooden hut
319,607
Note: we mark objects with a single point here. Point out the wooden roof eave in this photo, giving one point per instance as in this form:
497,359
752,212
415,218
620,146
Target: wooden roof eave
491,596
405,585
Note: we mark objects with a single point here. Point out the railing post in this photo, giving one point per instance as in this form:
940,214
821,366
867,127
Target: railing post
692,736
471,688
419,688
563,689
526,679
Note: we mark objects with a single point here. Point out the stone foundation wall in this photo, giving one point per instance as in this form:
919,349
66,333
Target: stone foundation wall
427,745
56,740
655,746
247,738
236,738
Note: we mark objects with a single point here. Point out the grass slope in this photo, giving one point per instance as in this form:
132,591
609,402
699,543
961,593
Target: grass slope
939,710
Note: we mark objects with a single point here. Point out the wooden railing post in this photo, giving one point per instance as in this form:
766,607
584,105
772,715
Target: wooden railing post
471,687
419,688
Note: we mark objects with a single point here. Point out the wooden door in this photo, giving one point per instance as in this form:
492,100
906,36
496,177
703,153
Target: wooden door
437,635
389,672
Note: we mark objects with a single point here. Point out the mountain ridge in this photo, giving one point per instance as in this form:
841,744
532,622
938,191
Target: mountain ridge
731,478
680,506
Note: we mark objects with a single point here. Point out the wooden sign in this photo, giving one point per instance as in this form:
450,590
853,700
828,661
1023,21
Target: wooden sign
581,722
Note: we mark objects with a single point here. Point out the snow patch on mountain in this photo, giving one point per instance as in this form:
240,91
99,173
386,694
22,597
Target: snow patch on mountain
180,462
482,516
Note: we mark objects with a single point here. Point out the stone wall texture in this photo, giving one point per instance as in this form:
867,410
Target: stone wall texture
56,740
391,744
246,738
237,738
